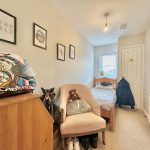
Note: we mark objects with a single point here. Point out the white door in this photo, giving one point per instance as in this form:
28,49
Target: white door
132,68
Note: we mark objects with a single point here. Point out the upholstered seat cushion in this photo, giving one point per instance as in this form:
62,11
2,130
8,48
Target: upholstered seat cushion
82,123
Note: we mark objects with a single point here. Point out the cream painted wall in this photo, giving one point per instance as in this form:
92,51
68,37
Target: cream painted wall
147,73
49,71
101,50
129,41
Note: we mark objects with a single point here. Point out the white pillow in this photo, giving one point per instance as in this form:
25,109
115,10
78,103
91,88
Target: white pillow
99,86
109,87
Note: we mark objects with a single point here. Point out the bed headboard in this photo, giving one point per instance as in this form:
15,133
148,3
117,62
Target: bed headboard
109,80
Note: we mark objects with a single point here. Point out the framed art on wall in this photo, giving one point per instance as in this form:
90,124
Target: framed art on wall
7,27
39,36
61,52
71,52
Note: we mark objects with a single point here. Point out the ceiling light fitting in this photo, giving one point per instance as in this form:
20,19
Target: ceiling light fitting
106,28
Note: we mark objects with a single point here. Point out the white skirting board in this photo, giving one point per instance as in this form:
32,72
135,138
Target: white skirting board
149,110
148,113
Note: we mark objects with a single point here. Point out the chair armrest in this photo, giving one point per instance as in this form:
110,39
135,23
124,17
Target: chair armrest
63,114
63,109
63,103
92,102
96,107
96,110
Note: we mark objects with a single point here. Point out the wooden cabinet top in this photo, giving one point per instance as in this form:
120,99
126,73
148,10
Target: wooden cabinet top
18,99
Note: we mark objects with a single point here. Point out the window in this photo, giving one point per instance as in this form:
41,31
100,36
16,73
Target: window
109,66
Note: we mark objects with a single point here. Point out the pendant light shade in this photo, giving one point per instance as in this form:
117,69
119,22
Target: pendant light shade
106,28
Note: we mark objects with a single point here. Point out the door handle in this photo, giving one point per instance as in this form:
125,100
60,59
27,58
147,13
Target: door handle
131,60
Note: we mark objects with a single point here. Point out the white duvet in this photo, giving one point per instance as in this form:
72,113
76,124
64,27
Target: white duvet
106,97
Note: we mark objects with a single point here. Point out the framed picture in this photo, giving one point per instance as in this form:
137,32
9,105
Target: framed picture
61,52
39,36
71,52
7,27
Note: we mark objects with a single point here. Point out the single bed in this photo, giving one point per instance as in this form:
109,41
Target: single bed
106,97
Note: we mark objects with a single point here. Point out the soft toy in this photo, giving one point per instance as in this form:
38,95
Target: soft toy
48,99
73,95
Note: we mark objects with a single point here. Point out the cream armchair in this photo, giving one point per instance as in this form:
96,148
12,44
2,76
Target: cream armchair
80,124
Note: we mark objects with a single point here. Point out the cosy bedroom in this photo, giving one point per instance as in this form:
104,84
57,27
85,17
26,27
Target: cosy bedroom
74,75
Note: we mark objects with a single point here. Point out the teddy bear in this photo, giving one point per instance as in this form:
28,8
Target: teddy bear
73,95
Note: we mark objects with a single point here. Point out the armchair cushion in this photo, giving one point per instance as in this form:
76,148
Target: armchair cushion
78,107
82,124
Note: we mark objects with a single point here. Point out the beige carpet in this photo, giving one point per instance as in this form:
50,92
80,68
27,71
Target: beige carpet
132,132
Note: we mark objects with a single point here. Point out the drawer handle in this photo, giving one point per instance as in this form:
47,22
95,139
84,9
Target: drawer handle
45,140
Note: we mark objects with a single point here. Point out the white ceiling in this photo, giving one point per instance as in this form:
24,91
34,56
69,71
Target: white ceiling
87,16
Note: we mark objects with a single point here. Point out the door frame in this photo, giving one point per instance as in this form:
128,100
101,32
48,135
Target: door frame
142,75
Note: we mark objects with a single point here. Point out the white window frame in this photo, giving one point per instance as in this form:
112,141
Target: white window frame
106,54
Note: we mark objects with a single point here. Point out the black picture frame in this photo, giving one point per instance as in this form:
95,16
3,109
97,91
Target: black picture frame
71,51
39,36
8,27
61,52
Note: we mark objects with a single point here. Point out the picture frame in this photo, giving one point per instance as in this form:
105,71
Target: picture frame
61,52
71,51
39,36
8,29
